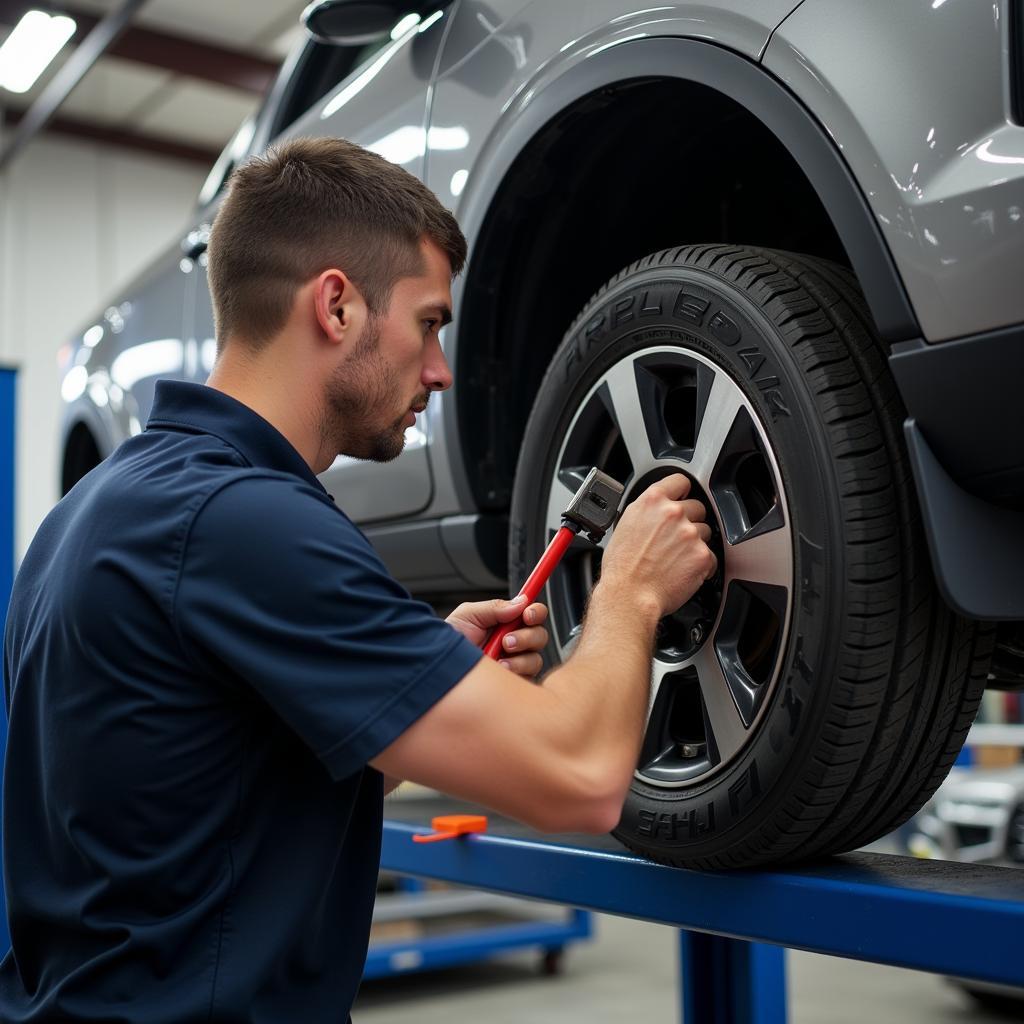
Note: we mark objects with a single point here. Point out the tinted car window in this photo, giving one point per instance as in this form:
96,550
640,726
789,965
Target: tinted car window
322,67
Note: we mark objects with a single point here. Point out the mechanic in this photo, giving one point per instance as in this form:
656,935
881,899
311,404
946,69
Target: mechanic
212,678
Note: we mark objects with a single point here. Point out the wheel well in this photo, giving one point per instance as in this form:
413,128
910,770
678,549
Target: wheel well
623,172
81,454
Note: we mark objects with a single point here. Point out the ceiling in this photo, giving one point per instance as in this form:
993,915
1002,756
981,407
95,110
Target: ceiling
178,81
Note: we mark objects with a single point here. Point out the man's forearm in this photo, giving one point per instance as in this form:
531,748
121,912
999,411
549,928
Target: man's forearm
604,688
560,756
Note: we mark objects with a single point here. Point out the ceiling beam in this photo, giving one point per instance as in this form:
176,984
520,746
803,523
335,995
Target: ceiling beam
177,54
111,136
57,90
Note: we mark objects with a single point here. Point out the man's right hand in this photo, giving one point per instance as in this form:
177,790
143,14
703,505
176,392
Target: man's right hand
659,550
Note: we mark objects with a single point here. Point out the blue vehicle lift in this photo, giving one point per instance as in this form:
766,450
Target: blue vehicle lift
957,919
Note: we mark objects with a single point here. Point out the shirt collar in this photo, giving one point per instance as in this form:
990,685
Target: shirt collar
196,408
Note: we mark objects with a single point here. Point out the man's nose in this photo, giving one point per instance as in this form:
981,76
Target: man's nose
437,375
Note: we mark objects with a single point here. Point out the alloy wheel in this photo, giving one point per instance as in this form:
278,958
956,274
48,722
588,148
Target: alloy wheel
665,410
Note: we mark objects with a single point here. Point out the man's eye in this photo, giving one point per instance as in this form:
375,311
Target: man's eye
430,324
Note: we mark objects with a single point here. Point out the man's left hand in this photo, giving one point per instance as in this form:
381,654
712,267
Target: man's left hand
520,649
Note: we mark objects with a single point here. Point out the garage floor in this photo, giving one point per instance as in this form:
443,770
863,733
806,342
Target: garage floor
628,974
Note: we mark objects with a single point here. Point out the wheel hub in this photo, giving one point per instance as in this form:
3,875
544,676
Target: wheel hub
682,633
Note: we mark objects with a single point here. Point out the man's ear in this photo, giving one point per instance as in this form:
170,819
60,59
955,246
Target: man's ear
339,307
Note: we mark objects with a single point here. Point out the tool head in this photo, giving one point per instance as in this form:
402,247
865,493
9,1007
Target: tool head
595,505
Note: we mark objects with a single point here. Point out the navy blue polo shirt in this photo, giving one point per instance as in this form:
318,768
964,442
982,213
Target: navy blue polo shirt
202,653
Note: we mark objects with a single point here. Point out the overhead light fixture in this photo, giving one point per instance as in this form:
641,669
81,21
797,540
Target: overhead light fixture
27,51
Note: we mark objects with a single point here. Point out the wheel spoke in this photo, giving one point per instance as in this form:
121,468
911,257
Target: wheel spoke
764,558
659,669
724,402
620,382
638,421
558,502
724,722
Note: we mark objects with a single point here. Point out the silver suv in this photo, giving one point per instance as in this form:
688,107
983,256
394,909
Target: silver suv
775,245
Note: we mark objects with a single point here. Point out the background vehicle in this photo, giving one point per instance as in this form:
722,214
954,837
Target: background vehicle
976,815
819,320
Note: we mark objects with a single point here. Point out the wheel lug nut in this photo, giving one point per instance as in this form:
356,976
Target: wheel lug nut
696,634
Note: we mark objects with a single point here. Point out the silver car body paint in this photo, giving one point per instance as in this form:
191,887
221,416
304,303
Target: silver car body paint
383,106
486,86
921,114
487,52
925,134
141,337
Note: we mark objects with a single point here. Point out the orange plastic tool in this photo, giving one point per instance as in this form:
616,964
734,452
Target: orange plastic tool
451,826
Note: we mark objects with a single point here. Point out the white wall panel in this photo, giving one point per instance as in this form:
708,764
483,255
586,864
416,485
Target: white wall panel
77,222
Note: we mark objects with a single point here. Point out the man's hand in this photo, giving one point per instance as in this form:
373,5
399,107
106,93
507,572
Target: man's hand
659,550
475,619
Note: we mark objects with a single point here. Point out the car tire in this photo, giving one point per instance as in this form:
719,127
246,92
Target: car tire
813,695
1015,835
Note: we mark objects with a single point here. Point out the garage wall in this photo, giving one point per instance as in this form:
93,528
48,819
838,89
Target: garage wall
77,222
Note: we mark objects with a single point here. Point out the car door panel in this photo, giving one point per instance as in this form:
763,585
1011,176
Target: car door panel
389,117
144,340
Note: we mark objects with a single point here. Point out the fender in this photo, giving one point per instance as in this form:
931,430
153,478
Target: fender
752,87
554,90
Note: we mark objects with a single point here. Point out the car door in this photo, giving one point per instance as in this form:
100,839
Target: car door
200,343
144,340
154,325
375,95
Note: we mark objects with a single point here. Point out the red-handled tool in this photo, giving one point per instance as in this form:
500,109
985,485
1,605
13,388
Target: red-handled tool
593,509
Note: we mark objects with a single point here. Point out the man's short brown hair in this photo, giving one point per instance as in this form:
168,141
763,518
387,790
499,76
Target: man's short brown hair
309,205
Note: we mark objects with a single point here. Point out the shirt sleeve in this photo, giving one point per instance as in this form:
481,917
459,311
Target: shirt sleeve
279,591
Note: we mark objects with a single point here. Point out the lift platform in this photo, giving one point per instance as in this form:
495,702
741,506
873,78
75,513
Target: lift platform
964,920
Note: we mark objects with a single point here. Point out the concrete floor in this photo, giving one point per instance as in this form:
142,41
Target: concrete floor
628,974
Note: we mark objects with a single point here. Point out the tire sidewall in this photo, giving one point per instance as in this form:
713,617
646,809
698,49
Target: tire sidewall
701,312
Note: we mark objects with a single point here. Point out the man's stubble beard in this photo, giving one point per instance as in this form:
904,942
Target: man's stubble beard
355,392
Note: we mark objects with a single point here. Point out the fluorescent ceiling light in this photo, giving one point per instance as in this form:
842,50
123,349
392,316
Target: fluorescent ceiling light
27,51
